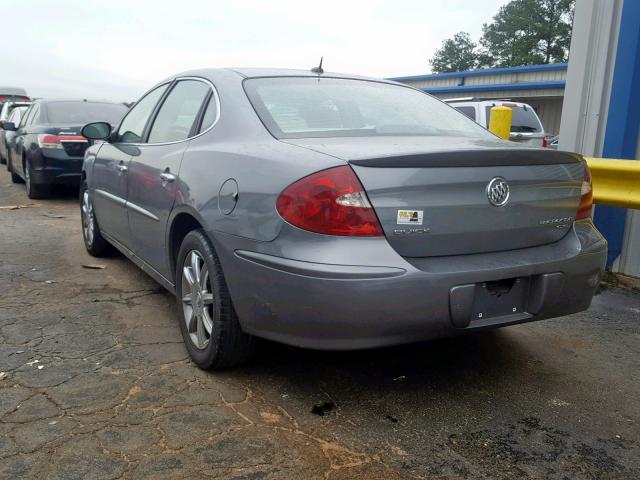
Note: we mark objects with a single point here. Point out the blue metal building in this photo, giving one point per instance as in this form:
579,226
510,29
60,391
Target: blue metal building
541,86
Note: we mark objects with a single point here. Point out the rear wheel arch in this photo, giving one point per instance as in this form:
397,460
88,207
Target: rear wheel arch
181,225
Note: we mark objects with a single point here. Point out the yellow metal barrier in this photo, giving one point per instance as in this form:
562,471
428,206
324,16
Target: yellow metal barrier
615,182
500,121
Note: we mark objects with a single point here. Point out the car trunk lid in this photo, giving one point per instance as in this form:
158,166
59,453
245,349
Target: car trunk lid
67,138
431,194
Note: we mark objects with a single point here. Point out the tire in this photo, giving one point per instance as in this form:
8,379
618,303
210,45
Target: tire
208,305
15,178
94,242
33,191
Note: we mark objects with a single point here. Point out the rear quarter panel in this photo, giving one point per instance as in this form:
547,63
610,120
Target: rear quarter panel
239,147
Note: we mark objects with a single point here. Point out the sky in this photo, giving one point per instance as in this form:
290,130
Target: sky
118,49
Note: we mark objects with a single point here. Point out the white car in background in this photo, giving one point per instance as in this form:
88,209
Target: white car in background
526,127
7,114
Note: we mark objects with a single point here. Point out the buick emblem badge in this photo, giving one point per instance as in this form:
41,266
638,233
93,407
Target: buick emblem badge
498,192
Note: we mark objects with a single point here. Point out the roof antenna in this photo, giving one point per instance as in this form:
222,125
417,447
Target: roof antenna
318,69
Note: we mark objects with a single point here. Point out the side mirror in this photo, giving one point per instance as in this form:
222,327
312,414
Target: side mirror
96,131
9,126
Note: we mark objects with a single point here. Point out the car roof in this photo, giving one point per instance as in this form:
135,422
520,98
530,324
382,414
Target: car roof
12,91
289,72
252,72
79,100
463,103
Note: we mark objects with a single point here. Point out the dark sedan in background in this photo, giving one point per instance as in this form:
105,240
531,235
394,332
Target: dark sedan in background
48,147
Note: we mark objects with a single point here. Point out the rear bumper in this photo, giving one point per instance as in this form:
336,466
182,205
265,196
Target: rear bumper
392,300
56,167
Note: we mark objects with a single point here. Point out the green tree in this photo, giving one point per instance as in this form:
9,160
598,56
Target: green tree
528,32
456,54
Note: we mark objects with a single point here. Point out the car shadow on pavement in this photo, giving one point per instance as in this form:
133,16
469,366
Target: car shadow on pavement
477,360
63,193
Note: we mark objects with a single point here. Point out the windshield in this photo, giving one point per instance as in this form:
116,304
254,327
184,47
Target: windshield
298,107
523,120
81,113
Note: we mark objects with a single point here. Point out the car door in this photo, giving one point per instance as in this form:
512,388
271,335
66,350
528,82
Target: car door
110,168
153,175
12,146
9,136
22,140
11,118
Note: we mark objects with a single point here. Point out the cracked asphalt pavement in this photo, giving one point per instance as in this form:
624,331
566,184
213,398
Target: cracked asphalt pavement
96,384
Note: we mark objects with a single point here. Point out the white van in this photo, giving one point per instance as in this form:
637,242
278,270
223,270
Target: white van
12,94
525,125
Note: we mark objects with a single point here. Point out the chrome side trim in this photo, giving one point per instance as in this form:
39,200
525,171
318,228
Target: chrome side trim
124,203
141,211
110,196
144,266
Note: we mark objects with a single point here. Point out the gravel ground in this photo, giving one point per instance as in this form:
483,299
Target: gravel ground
96,384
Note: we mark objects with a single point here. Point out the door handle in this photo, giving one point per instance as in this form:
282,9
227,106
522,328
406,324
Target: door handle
167,177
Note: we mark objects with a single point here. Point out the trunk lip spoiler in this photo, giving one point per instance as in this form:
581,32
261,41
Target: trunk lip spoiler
472,158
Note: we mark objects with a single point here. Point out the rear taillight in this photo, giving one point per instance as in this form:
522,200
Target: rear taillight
586,195
545,142
332,202
47,140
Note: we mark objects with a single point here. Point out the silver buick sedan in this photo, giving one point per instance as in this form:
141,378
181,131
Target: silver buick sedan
332,211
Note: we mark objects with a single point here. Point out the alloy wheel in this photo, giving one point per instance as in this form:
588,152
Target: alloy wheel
88,220
197,299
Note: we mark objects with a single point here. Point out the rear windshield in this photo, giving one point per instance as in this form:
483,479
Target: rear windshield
523,120
298,107
80,113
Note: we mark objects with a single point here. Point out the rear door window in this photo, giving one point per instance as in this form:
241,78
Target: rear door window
210,114
36,115
26,116
33,113
179,111
523,119
132,128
